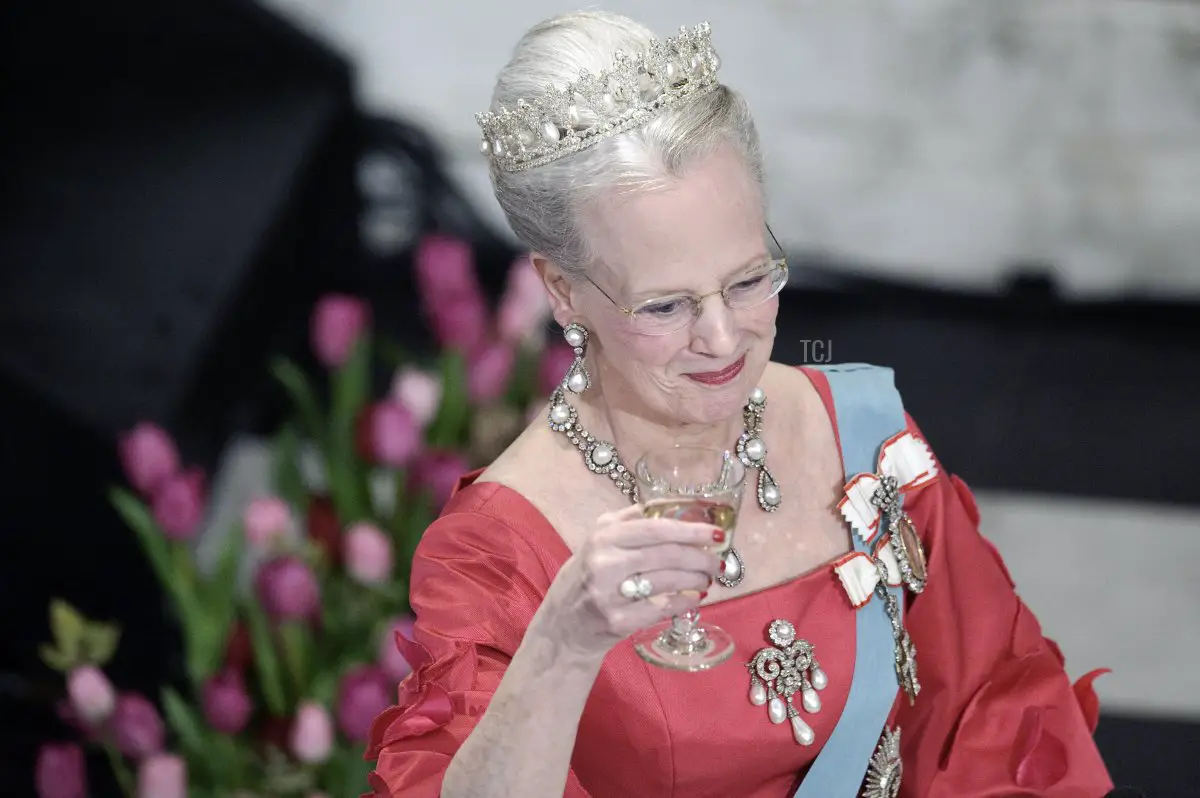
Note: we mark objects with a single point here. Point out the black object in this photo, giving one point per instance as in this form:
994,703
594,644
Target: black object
178,186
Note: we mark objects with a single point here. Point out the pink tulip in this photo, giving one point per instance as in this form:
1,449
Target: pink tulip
489,371
419,392
148,456
460,323
337,322
136,726
60,772
162,776
445,267
552,368
288,589
266,519
390,660
178,504
524,308
387,434
92,696
226,703
311,739
437,473
364,693
367,552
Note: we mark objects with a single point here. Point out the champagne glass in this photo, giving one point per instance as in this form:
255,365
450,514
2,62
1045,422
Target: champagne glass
704,485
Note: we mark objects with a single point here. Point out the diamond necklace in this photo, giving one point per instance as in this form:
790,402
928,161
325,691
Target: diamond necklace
601,457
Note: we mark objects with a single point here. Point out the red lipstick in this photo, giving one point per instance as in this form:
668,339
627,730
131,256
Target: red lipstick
719,377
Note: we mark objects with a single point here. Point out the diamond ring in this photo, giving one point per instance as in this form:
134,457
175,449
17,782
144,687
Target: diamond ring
636,587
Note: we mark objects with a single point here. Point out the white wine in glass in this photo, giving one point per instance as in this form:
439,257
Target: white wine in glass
701,485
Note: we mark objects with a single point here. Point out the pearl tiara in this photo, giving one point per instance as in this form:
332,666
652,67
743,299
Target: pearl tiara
637,88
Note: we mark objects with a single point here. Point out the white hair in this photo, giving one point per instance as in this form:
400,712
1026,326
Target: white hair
544,204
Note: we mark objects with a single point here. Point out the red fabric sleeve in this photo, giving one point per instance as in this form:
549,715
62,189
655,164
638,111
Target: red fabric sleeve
997,715
475,587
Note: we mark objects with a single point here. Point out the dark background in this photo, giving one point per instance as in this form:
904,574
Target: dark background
178,184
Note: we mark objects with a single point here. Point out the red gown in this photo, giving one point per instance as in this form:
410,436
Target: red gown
996,716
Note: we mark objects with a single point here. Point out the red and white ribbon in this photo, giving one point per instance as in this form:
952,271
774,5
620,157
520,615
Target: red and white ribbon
858,573
904,456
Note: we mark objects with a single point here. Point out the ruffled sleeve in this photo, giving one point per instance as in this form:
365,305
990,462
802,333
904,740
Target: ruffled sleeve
997,715
476,584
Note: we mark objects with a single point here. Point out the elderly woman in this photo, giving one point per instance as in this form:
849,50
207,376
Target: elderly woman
898,658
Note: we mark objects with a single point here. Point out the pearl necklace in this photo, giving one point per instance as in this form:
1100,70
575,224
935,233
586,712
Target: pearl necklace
601,457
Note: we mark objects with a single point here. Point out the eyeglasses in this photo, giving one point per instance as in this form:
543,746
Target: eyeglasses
669,314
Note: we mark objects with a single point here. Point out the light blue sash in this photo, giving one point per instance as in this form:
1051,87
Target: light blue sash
869,411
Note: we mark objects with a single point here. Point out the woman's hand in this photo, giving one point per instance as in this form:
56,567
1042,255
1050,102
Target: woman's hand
584,610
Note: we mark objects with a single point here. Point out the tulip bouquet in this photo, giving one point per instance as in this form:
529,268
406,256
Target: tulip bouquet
289,633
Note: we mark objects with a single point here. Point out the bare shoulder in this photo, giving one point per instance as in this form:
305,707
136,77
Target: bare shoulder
542,467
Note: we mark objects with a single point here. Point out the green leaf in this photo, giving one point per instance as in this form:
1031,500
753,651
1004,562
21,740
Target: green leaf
324,686
55,659
100,643
67,627
297,653
296,383
154,544
449,427
266,660
183,721
351,391
287,479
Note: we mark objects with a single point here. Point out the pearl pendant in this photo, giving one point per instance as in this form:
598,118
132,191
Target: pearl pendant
756,450
812,701
560,414
733,568
777,710
802,732
550,132
757,396
574,336
758,693
602,454
577,382
771,495
818,678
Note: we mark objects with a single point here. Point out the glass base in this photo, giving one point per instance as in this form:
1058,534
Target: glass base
678,647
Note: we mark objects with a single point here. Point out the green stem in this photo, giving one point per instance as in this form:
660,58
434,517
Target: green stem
121,771
294,639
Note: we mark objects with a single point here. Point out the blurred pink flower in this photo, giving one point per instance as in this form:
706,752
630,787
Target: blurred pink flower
459,322
311,738
226,703
445,267
60,772
553,366
367,553
92,696
288,589
337,322
178,504
390,660
136,726
162,776
489,371
148,456
524,308
364,693
388,435
419,391
437,472
265,519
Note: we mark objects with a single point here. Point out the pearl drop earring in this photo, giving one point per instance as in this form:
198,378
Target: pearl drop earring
577,379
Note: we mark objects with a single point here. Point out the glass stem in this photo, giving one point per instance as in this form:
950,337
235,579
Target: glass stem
684,624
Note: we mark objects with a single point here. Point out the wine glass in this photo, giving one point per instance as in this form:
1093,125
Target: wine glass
704,485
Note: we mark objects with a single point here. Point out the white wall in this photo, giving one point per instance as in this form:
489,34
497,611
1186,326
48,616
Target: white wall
939,139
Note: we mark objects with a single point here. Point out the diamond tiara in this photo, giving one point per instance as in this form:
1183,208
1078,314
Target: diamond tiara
637,88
